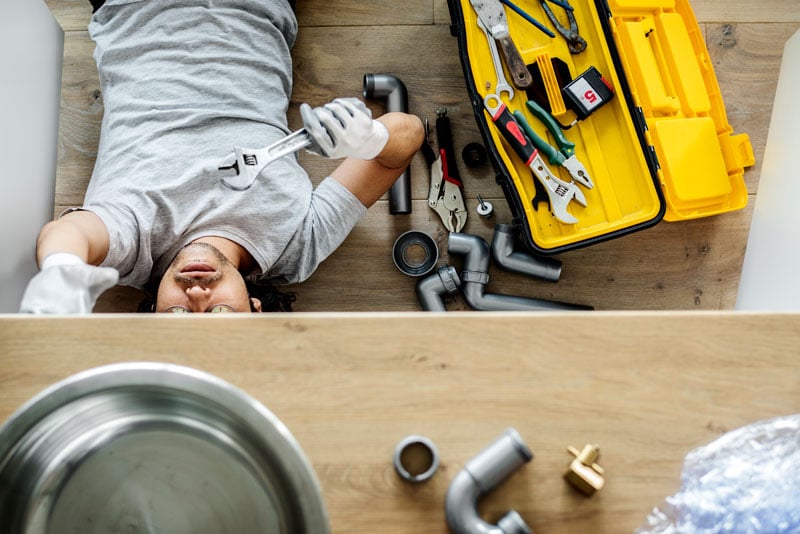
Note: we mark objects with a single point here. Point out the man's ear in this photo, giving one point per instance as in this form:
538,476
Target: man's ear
255,305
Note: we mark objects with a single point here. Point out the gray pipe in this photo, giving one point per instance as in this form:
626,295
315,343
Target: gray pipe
431,290
394,91
480,476
505,256
475,277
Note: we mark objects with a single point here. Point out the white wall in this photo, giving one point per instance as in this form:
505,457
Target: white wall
31,48
770,278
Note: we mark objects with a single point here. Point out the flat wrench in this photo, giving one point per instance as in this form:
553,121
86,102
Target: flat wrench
502,83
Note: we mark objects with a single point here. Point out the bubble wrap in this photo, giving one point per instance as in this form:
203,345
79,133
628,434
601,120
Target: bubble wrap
747,481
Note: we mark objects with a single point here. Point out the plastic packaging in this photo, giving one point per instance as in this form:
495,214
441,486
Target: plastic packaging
747,481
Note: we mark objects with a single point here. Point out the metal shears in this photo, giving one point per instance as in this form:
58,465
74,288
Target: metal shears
564,156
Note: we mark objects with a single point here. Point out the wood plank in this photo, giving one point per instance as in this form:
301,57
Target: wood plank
432,82
747,61
75,14
707,11
746,11
692,265
349,387
321,13
79,123
71,14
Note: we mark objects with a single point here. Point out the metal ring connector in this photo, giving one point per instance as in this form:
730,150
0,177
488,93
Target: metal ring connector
416,458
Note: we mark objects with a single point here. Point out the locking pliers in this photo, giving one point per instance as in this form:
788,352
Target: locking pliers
445,195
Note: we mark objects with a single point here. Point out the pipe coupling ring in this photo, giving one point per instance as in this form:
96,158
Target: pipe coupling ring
415,253
416,458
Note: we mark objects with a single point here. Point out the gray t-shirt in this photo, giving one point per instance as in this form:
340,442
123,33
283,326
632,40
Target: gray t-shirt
183,82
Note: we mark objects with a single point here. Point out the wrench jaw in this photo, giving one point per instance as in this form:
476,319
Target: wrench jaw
242,166
245,164
559,192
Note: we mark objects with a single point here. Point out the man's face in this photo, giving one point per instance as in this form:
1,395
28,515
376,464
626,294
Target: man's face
201,279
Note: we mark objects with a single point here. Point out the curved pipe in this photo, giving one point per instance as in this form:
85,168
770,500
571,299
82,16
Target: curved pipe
505,256
394,91
475,277
431,290
481,475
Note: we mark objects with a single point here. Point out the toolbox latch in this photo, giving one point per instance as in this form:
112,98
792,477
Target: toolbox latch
742,149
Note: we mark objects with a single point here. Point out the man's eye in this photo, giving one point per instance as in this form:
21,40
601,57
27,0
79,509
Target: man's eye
178,309
220,308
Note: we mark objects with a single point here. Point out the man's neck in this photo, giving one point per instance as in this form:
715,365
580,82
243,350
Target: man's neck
236,254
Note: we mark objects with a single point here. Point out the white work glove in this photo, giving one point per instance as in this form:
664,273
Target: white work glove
66,285
344,128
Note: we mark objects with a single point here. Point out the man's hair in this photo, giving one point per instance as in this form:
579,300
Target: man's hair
271,299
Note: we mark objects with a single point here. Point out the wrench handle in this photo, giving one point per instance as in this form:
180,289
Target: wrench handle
520,76
511,130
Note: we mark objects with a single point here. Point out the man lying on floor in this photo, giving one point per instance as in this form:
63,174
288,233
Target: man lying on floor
184,82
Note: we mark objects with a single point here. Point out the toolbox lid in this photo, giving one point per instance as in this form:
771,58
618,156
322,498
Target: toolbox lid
671,78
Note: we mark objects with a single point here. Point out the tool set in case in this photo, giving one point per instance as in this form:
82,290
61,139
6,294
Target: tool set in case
602,117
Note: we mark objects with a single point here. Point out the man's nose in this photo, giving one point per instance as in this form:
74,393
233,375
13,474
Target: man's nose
197,292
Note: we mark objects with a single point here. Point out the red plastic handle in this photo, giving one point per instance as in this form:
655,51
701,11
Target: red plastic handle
513,133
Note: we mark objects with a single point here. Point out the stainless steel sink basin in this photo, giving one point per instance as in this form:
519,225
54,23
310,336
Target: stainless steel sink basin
153,448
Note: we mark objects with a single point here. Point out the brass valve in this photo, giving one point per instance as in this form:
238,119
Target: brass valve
583,473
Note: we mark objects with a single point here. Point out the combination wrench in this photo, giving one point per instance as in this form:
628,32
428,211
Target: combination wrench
502,84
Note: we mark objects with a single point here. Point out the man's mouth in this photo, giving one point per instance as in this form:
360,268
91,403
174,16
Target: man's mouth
197,269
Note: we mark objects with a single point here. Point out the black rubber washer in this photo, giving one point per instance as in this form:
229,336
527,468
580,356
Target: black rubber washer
474,155
410,239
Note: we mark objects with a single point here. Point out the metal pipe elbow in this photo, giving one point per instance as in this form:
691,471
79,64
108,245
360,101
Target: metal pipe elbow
481,475
475,278
389,87
432,289
505,256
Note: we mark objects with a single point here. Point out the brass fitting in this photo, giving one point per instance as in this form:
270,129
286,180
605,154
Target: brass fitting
583,473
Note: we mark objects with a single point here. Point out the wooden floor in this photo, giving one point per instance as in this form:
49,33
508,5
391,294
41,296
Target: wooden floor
691,265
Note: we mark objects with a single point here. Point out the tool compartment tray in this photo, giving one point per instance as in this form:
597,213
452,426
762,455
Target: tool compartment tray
661,147
672,81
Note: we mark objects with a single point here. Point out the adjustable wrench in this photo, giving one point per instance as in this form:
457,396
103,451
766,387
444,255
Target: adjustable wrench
247,163
559,192
502,84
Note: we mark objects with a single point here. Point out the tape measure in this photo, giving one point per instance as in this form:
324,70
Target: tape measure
588,92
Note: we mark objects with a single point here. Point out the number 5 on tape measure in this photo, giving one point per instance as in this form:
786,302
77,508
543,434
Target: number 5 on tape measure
586,93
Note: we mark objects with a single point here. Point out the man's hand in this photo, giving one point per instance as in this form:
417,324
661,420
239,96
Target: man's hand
344,128
66,285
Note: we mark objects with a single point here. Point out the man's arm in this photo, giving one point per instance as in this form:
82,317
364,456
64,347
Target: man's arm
368,180
81,233
68,251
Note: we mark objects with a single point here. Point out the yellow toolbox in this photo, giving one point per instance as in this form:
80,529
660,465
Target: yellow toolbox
616,120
